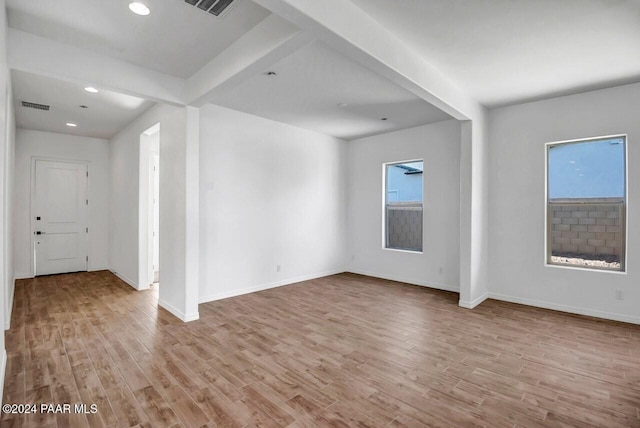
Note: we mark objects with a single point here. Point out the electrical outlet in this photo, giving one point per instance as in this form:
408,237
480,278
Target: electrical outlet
277,268
619,295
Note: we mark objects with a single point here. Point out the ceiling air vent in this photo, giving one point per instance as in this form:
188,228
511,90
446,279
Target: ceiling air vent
218,8
36,106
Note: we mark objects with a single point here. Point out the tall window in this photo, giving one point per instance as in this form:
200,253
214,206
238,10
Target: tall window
586,203
403,205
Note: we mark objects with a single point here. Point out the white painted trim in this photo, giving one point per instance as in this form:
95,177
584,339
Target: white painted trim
550,144
399,250
155,128
473,303
406,280
98,268
3,366
384,230
565,308
125,279
7,321
145,210
583,268
192,317
26,275
178,313
261,287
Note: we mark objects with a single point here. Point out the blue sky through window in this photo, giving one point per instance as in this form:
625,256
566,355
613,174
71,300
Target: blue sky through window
591,169
402,185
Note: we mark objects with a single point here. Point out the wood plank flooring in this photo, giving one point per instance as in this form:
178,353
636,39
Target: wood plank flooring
344,350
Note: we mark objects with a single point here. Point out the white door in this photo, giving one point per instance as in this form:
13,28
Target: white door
59,217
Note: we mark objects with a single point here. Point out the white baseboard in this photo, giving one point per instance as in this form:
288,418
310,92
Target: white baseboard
3,366
125,279
406,280
566,308
178,313
24,275
475,302
98,268
262,287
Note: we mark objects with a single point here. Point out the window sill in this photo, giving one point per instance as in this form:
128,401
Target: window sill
587,269
403,251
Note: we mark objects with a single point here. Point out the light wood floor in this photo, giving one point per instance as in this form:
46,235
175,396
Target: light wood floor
344,350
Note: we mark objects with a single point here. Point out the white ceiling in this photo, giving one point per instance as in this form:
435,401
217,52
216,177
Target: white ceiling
108,112
311,83
176,38
507,51
499,51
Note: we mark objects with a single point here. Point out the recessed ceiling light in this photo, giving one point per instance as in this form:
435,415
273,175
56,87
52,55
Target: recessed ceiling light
71,124
271,73
139,8
91,89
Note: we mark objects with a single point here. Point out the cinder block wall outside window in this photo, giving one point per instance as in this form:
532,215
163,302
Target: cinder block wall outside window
587,226
405,225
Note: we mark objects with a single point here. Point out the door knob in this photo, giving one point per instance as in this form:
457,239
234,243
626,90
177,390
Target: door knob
39,232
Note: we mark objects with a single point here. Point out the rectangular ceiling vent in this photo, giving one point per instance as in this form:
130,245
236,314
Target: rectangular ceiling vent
218,8
36,106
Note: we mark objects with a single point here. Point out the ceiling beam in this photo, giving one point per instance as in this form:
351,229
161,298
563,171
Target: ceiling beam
264,45
347,28
38,55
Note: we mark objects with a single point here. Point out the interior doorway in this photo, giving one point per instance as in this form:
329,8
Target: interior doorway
155,264
149,208
59,216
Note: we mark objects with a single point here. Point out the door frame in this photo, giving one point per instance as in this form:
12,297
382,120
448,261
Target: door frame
145,208
32,202
154,263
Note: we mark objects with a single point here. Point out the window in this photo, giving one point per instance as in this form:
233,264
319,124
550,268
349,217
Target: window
586,203
403,205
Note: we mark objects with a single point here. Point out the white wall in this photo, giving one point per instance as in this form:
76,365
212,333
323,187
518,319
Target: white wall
517,203
123,201
270,194
30,144
124,206
9,177
5,191
124,197
474,210
438,266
